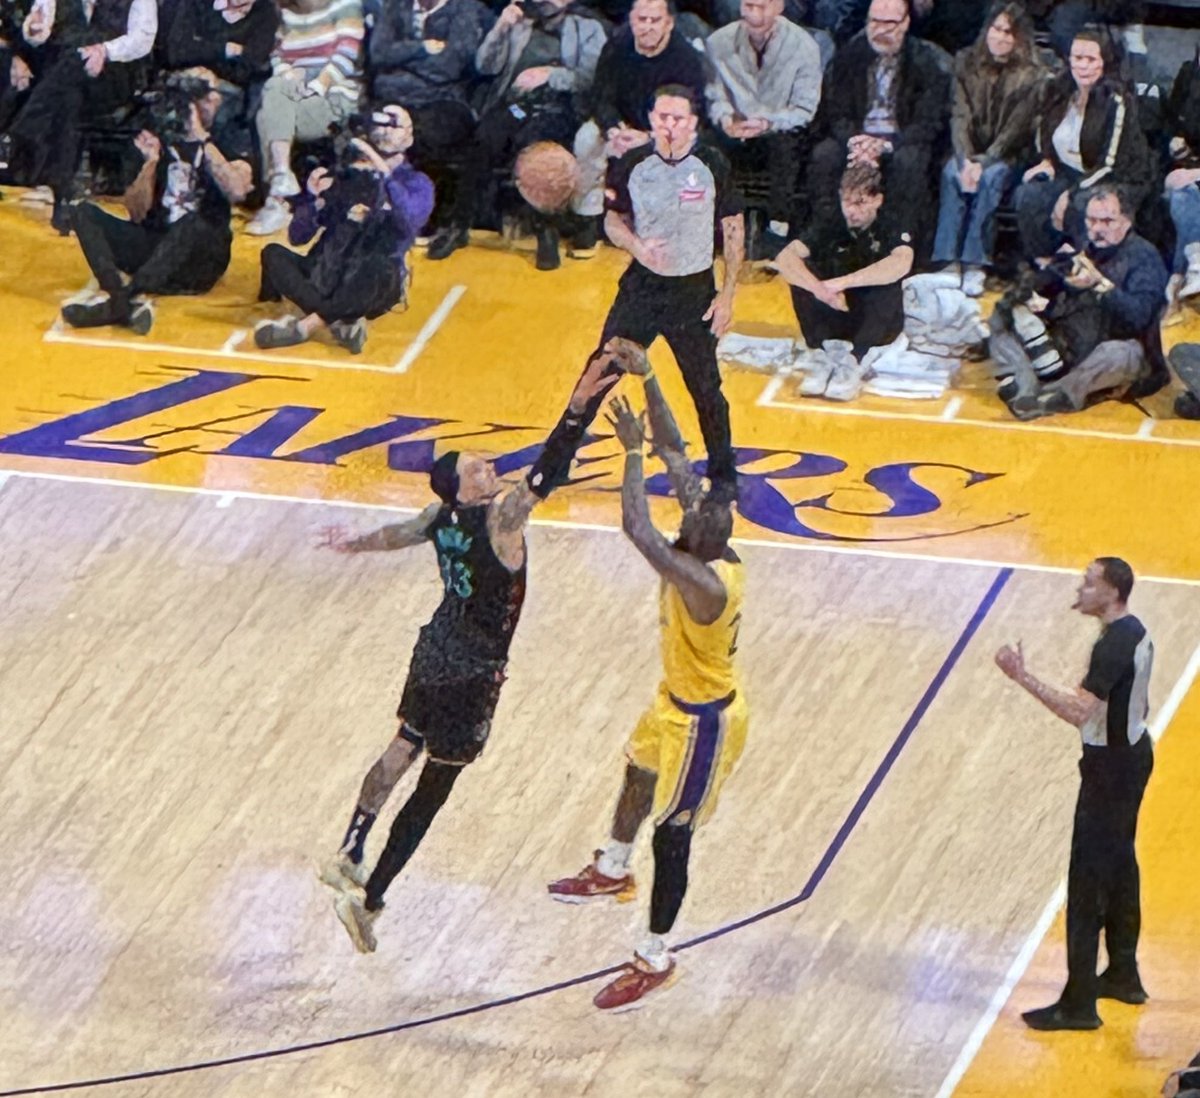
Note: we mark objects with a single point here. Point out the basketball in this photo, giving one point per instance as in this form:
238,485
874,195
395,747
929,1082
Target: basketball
546,175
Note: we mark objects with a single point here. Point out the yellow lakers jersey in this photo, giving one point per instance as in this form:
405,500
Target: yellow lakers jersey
698,659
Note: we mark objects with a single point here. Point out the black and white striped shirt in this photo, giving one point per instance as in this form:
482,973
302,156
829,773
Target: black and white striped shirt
1119,675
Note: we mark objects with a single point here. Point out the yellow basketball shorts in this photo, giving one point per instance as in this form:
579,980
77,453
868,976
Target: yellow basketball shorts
693,750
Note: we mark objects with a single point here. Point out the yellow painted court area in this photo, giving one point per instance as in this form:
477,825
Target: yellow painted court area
193,692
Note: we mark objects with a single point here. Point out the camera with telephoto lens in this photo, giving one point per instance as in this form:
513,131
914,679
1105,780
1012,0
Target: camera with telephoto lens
171,106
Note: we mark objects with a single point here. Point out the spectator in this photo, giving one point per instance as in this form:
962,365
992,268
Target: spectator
93,50
234,40
886,102
952,24
1183,184
1088,133
422,55
846,272
1102,319
371,213
996,86
16,72
647,54
177,239
764,92
542,57
316,84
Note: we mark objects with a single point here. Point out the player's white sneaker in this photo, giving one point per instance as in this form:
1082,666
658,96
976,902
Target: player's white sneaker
351,910
340,873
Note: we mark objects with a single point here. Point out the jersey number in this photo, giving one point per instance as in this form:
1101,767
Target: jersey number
735,626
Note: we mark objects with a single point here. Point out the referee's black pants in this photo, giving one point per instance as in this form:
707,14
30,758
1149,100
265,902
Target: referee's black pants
1103,883
649,305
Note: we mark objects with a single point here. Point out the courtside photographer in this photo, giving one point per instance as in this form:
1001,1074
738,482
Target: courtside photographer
178,237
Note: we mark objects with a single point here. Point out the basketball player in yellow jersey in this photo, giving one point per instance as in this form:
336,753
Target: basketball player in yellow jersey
688,741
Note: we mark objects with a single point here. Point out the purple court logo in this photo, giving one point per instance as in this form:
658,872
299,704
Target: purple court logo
790,492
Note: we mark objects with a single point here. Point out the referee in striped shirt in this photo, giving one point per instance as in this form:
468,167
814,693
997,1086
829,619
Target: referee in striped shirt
668,204
1109,708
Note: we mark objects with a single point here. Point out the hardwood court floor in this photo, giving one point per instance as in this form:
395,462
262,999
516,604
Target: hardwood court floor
192,693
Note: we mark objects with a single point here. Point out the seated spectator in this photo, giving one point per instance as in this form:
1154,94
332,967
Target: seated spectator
886,102
542,57
16,72
1088,134
316,84
1183,184
764,92
846,272
997,82
952,24
371,212
92,53
177,239
1101,322
233,39
421,54
647,54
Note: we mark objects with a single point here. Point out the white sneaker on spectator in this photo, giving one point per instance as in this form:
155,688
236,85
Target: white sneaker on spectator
38,196
817,372
973,278
270,219
284,184
847,380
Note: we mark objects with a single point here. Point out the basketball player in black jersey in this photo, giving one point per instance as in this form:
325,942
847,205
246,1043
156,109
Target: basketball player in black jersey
458,664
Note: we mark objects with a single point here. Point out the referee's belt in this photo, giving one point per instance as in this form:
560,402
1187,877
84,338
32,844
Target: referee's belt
695,709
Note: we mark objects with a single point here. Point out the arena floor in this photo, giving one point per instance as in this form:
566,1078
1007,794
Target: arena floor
193,691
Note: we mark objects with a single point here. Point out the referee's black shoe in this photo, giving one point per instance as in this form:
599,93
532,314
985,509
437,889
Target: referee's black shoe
1123,990
1056,1016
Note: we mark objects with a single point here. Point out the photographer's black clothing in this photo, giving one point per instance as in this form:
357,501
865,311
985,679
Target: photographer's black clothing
1103,887
183,244
198,36
357,268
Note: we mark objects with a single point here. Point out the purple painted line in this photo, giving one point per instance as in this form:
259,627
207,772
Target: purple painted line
818,874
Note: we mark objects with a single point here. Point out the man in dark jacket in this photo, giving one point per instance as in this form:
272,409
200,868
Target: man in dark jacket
233,39
422,56
887,102
647,54
1102,318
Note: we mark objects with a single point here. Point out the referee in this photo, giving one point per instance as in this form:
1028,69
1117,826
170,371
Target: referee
668,203
1109,708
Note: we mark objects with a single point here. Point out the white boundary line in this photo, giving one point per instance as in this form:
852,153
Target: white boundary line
56,333
1142,434
430,327
761,543
1022,961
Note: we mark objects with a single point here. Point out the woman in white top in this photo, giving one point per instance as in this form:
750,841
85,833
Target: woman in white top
1089,133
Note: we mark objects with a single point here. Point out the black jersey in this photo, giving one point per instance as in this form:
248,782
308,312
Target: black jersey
482,598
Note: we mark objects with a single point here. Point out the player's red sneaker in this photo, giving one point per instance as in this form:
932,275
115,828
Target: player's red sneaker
633,984
590,884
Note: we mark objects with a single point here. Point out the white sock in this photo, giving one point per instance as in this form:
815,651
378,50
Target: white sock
779,228
653,953
614,859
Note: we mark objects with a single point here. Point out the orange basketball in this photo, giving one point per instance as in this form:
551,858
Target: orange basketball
546,175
